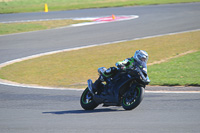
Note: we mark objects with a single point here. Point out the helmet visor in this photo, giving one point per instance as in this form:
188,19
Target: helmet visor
141,56
144,59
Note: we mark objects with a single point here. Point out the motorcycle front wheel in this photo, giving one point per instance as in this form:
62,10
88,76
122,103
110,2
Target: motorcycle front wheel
87,101
132,98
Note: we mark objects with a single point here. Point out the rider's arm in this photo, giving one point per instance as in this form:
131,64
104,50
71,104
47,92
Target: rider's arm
125,63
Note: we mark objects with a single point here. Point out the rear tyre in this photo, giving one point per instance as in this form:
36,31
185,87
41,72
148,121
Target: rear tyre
87,101
132,98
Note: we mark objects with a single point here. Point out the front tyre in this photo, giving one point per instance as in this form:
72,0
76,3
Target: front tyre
87,101
132,98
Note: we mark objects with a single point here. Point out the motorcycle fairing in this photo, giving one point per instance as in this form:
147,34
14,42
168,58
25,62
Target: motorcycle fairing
116,91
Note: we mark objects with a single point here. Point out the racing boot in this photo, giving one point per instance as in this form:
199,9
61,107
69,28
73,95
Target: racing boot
90,84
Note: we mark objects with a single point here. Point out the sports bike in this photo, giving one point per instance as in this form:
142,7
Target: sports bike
125,88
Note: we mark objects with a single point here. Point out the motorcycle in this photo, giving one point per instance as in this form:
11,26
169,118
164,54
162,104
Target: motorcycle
125,88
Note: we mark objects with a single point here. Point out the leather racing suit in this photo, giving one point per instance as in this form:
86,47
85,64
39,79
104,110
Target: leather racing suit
107,73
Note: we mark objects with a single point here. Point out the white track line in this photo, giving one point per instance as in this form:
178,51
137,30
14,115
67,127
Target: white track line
100,22
5,82
85,18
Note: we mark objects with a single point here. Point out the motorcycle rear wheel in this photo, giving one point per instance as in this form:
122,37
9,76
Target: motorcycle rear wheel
132,98
87,101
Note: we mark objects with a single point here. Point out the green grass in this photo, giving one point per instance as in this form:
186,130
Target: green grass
34,26
16,6
184,70
72,69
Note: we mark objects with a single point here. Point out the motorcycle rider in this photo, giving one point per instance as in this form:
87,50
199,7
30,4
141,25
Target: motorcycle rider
140,57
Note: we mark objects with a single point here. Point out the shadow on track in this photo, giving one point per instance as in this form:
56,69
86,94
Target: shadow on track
82,111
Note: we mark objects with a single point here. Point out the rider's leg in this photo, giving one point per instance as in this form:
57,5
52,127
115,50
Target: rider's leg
97,85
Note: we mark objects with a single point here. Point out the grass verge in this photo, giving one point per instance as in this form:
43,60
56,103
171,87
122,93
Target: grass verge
9,28
16,6
180,71
72,69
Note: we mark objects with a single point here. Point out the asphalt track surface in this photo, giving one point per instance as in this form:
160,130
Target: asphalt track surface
38,110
